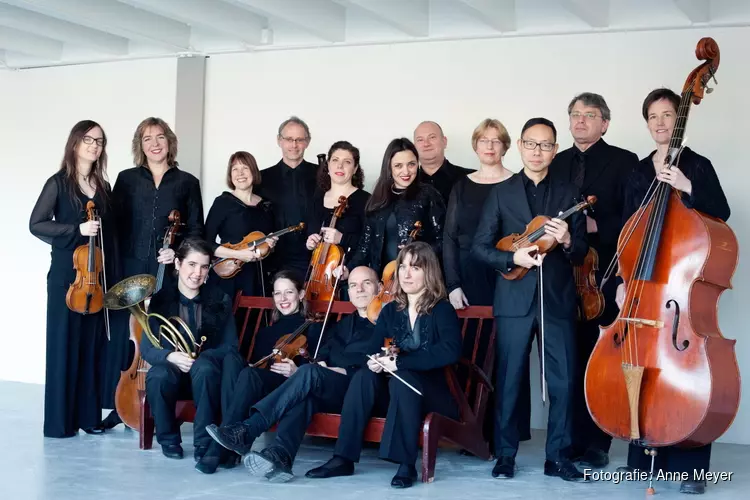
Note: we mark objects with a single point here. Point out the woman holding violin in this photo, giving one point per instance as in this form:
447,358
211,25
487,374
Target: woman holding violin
195,372
242,385
234,215
694,177
426,337
341,176
397,203
76,329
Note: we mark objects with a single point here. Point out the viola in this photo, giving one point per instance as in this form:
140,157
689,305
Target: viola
131,388
325,258
86,295
288,346
388,290
662,373
229,267
590,296
534,234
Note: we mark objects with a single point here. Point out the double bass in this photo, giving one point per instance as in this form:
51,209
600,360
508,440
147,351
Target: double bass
86,294
131,389
662,374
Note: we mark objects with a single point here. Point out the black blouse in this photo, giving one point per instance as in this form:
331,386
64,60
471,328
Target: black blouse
143,209
231,220
351,222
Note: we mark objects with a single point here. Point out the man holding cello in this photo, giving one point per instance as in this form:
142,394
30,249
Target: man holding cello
542,300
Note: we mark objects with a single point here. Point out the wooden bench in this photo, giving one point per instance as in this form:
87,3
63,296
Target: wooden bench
468,382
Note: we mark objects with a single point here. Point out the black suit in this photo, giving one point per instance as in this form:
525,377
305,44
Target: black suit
508,210
606,170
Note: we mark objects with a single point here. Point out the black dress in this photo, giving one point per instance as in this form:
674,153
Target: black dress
351,222
75,342
232,220
708,197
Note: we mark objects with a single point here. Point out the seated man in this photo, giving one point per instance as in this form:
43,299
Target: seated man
314,387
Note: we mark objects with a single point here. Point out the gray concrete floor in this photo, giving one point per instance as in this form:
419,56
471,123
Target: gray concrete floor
111,467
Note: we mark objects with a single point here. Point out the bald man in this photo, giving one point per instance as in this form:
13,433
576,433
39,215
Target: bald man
434,168
315,387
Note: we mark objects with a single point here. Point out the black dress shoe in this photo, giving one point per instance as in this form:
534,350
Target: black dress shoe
94,430
274,463
172,451
595,458
625,469
563,469
234,437
198,452
335,467
405,477
111,421
505,468
693,487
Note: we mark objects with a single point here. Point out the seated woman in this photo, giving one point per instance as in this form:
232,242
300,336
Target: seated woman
177,375
425,329
243,385
315,387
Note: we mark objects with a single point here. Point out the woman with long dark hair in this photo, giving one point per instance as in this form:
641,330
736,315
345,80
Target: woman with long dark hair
74,361
397,202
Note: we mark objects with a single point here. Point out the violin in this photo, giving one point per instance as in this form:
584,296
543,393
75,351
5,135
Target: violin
325,258
86,295
662,373
591,297
131,388
229,267
390,350
288,346
535,235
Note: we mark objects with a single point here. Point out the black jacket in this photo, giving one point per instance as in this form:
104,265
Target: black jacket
427,207
217,322
444,179
346,343
506,212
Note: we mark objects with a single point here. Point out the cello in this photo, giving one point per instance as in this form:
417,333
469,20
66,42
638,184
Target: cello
86,295
131,389
325,258
662,373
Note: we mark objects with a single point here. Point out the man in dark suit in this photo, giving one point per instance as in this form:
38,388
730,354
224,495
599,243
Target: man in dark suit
290,185
602,170
434,167
510,206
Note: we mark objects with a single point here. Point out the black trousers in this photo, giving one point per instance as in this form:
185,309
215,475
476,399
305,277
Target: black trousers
74,368
514,339
370,393
242,387
165,384
312,389
671,459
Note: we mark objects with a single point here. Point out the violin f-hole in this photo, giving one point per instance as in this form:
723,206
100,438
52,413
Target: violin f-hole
675,324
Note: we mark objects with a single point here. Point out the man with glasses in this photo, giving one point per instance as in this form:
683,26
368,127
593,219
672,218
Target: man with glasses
523,308
598,169
290,185
434,167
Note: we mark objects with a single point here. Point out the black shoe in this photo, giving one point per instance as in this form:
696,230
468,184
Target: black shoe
505,468
405,477
172,451
335,467
274,463
625,469
595,458
198,452
693,487
111,421
94,430
563,469
216,456
233,437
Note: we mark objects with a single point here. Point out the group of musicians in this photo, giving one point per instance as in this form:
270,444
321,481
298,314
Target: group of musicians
452,264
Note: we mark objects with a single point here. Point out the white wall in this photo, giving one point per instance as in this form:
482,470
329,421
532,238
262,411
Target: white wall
37,110
369,95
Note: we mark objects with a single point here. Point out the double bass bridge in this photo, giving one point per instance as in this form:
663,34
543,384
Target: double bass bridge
638,322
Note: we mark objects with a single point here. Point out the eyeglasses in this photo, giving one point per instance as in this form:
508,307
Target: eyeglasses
87,139
588,115
544,146
291,140
495,143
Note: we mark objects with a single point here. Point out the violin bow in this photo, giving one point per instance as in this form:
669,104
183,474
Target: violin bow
394,374
330,303
104,275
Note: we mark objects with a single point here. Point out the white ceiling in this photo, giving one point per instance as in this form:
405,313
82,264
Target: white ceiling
36,33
